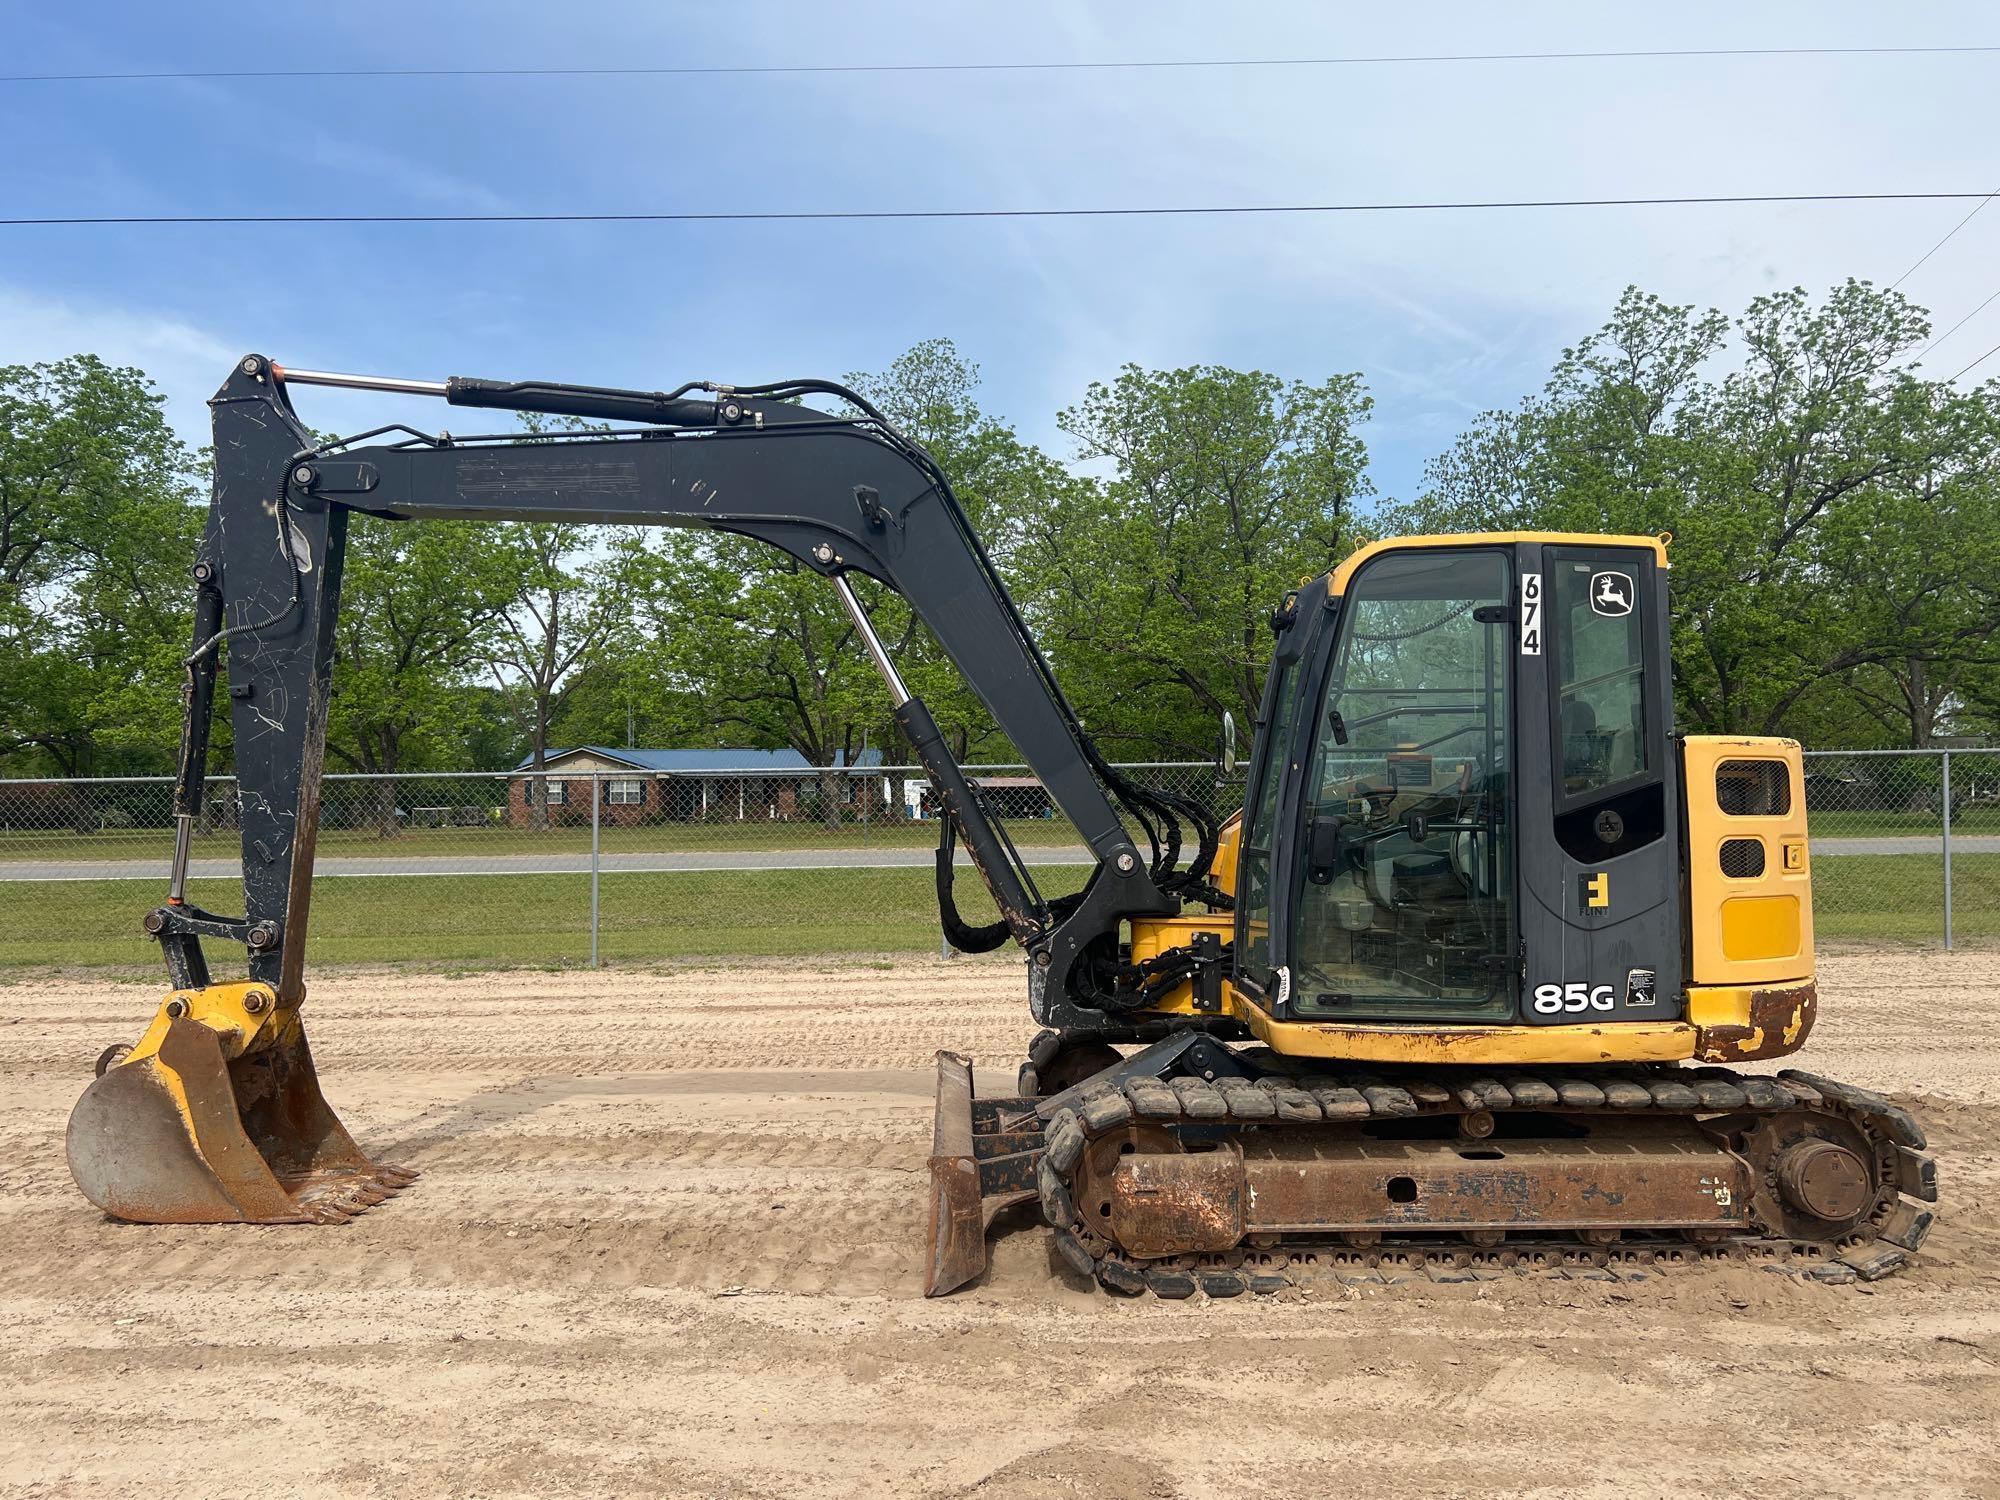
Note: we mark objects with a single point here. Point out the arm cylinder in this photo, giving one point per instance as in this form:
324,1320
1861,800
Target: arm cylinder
198,702
961,800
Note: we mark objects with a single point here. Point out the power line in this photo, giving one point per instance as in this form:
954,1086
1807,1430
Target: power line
1154,211
1941,243
1979,361
1955,327
1163,64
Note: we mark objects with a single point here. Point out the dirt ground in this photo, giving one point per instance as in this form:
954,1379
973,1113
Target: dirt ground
668,1243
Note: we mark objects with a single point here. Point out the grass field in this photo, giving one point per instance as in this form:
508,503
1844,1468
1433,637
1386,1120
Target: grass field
154,844
658,838
1984,818
504,920
501,920
1899,898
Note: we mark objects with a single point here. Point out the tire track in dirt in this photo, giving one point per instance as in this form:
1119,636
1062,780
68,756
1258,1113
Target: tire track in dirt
669,1240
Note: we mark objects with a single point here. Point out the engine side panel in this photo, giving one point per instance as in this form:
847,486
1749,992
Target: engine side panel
1749,867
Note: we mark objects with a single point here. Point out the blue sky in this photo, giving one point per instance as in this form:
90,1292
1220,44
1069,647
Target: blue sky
1444,315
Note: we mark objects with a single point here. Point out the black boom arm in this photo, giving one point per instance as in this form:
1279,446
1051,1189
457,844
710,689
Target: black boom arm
842,494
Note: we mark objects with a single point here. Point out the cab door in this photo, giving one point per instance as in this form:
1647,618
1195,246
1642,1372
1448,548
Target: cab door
1599,810
1401,884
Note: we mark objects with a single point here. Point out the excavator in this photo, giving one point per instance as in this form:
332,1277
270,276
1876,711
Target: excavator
1467,986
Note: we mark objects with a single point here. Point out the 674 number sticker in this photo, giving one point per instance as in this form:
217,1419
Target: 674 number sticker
1572,999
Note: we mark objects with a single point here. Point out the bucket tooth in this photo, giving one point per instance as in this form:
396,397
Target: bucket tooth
216,1117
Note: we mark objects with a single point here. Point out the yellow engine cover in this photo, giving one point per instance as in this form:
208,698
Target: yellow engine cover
1749,865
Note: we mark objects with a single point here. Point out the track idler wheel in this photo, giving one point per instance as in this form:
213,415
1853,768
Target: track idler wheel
1825,1179
216,1117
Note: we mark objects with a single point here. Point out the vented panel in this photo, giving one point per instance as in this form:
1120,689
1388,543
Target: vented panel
1753,788
1742,859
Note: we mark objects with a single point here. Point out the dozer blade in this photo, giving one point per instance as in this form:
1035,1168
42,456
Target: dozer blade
983,1156
957,1232
180,1133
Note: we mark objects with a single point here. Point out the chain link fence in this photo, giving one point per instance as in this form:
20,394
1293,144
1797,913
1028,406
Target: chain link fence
574,865
1905,844
580,865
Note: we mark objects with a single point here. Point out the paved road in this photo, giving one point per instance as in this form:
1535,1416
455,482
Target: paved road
737,859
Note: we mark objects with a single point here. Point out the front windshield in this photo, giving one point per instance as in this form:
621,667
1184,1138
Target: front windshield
1404,906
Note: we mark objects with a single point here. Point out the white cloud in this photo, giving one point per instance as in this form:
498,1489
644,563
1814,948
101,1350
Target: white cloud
422,185
186,362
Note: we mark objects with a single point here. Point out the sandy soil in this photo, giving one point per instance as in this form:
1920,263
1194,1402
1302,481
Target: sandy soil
668,1243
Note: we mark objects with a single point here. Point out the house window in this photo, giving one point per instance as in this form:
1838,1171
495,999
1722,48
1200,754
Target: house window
625,793
554,793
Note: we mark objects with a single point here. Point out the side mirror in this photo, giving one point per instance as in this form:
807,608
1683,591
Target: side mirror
1228,743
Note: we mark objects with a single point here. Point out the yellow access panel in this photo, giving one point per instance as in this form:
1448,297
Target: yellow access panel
1749,867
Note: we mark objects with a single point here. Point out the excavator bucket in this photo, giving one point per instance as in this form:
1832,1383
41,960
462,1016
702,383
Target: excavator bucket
983,1157
216,1117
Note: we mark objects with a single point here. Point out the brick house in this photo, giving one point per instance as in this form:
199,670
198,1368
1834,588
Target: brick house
686,786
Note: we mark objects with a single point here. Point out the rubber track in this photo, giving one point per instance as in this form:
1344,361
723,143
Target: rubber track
1895,1230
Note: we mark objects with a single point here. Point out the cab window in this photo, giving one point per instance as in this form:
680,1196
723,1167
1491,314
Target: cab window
1404,905
1598,619
1253,908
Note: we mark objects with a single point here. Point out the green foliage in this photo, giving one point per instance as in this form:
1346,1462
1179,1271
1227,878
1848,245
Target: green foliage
1836,562
420,607
1155,587
1836,557
97,531
565,604
930,393
743,645
758,642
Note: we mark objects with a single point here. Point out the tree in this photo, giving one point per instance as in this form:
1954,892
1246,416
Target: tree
1156,587
98,527
568,588
1917,560
761,643
420,603
930,393
1831,512
565,599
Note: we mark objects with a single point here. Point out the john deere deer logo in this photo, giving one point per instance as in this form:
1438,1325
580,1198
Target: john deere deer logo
1611,593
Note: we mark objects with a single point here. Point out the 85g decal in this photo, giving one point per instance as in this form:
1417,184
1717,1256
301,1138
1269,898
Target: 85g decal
1572,999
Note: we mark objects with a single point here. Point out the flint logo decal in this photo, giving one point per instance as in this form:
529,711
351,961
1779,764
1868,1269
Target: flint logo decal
1610,594
1596,890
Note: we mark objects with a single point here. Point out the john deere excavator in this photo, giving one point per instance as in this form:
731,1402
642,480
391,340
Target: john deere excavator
1458,989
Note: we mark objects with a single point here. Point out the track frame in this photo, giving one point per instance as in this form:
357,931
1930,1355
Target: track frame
1191,1096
